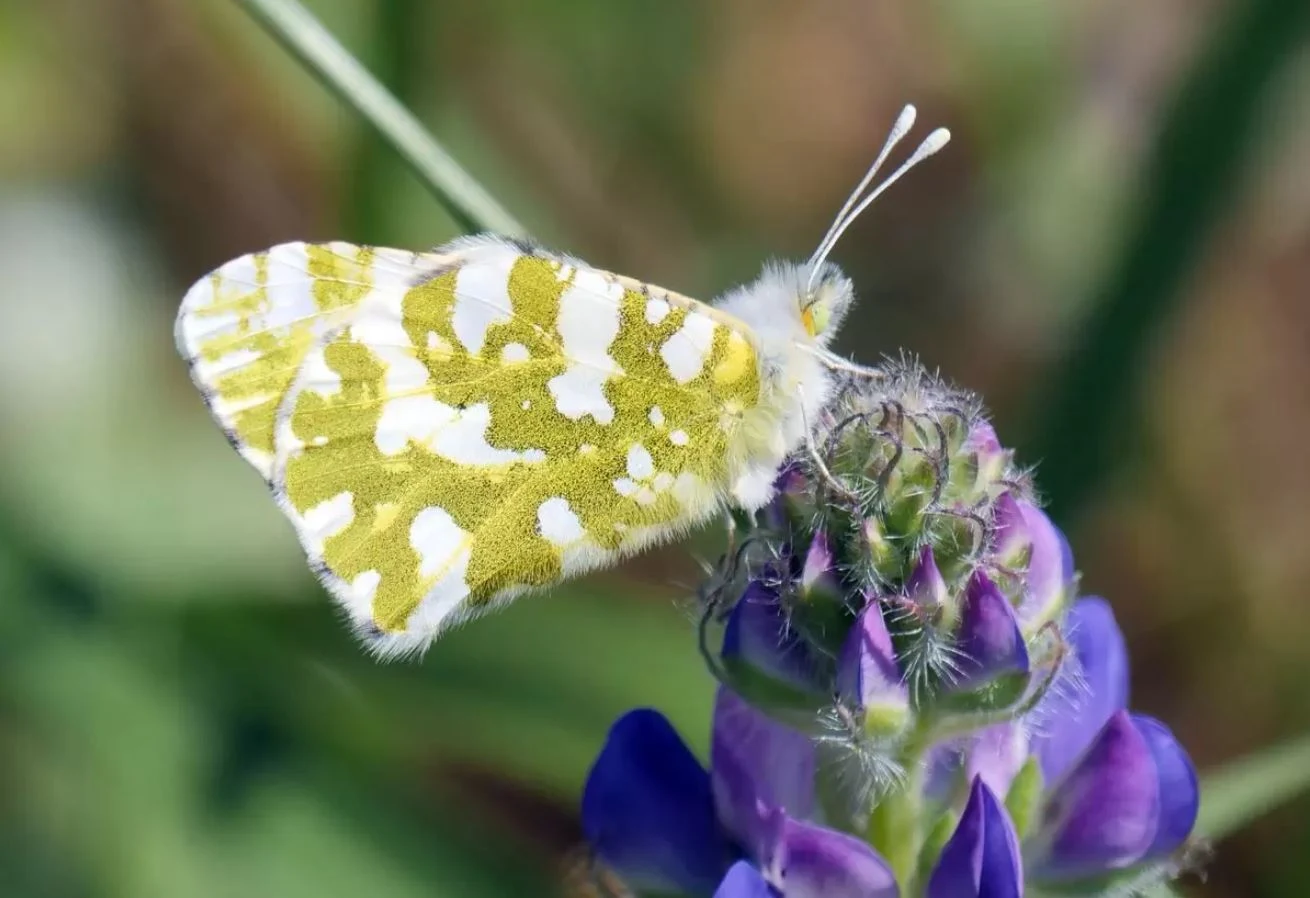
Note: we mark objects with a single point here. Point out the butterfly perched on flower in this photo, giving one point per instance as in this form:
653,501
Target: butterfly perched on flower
449,429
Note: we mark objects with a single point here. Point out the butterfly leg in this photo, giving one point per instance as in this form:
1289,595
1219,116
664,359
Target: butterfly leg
816,459
834,362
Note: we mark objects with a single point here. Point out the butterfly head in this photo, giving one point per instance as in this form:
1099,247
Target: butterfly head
823,300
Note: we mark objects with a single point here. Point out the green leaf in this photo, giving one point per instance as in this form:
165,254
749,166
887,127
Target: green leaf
306,38
1245,789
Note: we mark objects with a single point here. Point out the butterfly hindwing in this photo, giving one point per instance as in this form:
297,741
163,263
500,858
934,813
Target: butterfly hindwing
451,429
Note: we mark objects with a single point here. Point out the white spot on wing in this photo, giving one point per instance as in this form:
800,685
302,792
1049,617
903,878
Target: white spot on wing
213,370
579,391
418,418
327,519
656,309
317,376
514,352
464,441
437,539
558,523
679,438
359,600
656,416
482,298
640,465
686,350
377,325
445,595
460,436
588,323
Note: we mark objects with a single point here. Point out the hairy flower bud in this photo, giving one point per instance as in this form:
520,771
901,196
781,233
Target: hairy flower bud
911,701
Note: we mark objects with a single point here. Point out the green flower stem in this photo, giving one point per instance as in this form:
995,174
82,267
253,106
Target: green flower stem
896,824
305,37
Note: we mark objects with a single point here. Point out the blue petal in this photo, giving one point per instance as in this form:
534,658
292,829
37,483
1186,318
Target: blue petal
981,859
744,881
1093,685
1180,796
647,810
759,636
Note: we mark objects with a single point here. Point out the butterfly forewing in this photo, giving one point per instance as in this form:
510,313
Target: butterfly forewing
447,430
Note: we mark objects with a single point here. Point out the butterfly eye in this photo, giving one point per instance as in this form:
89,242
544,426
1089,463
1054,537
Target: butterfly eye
815,317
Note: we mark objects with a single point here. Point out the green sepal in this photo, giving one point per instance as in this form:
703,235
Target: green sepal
821,621
770,693
1001,693
938,835
1025,796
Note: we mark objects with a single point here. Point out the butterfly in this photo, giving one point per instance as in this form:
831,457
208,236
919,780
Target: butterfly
447,430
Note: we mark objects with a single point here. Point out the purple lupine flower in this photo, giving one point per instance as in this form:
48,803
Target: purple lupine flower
760,641
1024,532
664,824
869,679
982,856
991,644
911,703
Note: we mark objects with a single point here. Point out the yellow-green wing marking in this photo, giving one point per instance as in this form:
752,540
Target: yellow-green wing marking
245,329
486,420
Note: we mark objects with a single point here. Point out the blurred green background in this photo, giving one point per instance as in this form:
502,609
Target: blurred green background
1114,250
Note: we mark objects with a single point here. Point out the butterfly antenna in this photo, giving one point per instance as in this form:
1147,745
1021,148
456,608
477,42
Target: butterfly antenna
904,122
855,207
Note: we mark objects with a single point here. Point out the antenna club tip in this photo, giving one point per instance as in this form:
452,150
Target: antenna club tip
936,140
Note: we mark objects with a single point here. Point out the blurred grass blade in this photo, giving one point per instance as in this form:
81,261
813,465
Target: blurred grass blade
305,37
1243,790
1195,167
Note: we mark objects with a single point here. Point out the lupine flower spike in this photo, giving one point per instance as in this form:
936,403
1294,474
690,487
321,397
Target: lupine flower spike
913,699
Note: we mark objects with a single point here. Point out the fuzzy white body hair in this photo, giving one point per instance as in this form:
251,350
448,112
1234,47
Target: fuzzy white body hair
795,384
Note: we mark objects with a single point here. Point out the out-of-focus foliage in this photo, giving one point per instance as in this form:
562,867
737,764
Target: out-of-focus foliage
181,714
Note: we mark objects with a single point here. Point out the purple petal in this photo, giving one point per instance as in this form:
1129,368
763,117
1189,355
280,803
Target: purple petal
759,636
819,572
815,862
1104,815
648,812
942,770
1050,568
925,585
757,765
1180,796
744,881
1024,529
991,458
1093,685
982,857
1010,540
989,637
868,676
997,755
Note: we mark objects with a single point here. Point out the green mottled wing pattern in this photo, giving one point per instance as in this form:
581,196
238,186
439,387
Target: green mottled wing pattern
447,430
